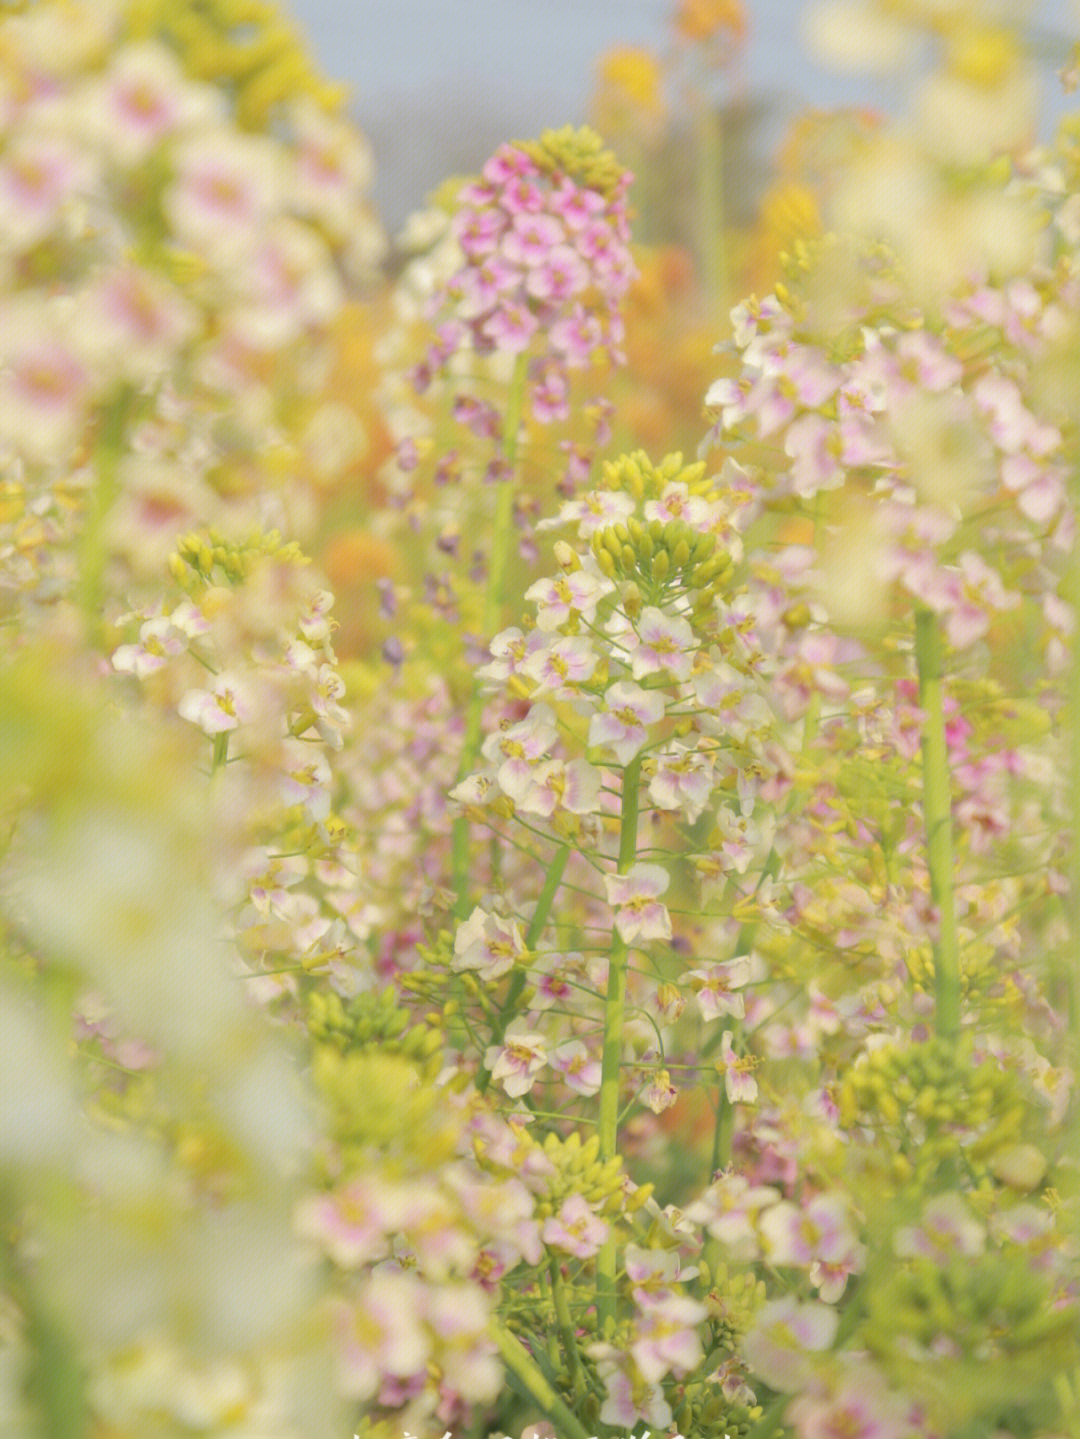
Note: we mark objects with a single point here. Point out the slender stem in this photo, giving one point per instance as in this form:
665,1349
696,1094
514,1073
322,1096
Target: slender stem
566,1330
501,543
1072,960
521,1365
938,820
92,551
614,1009
552,881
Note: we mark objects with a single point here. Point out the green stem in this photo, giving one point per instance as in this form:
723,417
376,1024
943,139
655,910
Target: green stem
92,550
494,597
938,820
532,1380
566,1330
1072,960
614,1009
536,928
55,1381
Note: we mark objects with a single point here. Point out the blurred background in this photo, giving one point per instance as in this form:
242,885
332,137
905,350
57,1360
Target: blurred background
437,84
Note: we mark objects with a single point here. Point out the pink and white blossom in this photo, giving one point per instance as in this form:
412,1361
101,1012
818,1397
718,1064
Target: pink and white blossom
518,1060
622,726
576,1229
635,897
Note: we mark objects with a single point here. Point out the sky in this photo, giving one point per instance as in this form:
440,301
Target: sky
438,83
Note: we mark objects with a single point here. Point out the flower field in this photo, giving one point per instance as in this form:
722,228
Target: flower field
540,756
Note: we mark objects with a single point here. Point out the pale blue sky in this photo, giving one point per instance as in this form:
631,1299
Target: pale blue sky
438,82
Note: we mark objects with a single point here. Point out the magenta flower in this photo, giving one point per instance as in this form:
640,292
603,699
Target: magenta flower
623,726
576,1229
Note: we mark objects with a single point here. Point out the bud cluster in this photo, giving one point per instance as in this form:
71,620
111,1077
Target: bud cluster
373,1022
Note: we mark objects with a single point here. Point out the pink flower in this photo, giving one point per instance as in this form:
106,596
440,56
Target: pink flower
577,336
220,709
729,1209
572,1060
665,645
556,599
519,748
622,726
947,1226
226,185
682,780
143,98
861,1407
562,667
667,1338
739,1081
510,327
40,175
628,1400
635,898
658,1093
813,445
782,1337
488,944
306,778
349,1224
382,1333
558,276
714,985
531,238
818,1230
576,1229
518,1060
552,785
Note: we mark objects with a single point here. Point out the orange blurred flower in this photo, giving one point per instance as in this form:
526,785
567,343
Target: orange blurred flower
704,19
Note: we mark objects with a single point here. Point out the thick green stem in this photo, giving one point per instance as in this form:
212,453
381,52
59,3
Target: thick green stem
937,812
614,1013
501,544
532,1380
